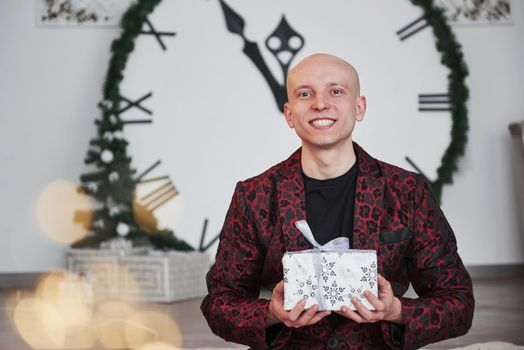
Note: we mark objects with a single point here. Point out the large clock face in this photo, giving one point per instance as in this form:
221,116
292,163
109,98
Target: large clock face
215,120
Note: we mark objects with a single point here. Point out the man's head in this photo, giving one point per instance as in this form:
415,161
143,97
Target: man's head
324,101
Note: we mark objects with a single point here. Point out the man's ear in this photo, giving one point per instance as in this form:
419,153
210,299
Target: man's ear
360,108
287,115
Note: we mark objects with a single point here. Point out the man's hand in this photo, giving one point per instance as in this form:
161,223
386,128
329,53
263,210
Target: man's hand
387,306
297,317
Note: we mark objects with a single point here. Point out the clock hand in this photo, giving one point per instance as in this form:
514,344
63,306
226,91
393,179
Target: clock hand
284,43
235,24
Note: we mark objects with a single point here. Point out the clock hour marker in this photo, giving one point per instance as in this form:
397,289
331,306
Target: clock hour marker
147,171
131,104
158,35
434,102
137,104
160,195
417,168
201,246
412,28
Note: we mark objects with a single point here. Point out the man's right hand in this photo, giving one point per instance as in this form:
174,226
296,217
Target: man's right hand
295,318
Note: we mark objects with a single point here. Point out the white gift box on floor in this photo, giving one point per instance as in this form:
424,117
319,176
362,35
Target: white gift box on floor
329,275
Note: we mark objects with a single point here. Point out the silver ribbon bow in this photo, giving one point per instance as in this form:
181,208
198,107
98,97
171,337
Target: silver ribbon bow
340,244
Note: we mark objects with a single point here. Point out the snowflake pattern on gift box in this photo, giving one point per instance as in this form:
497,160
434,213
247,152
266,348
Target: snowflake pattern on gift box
326,269
370,274
286,270
333,293
306,289
355,292
358,292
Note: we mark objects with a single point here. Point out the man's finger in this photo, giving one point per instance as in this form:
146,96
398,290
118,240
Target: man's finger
279,288
362,310
306,316
318,316
376,302
383,283
352,315
296,310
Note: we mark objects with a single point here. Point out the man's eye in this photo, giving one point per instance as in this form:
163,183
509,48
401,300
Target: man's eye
337,91
304,94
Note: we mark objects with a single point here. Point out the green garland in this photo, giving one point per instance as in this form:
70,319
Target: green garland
451,57
121,192
114,179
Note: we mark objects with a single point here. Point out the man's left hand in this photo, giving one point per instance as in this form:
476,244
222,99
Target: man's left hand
387,306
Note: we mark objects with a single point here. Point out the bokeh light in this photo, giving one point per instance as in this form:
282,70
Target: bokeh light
110,321
58,316
64,211
151,326
158,345
39,324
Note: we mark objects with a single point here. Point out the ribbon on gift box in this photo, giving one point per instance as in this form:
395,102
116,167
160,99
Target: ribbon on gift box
340,244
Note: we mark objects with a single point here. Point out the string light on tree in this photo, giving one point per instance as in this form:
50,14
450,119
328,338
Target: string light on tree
114,211
107,104
119,135
99,223
113,177
92,186
108,136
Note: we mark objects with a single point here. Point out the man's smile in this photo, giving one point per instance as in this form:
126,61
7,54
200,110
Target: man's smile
322,122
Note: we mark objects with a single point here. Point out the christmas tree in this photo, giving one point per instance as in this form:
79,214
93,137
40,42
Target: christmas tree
112,184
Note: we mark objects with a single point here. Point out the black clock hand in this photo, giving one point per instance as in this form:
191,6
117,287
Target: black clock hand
235,24
284,43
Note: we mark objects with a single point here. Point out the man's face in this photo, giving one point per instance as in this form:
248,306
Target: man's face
324,102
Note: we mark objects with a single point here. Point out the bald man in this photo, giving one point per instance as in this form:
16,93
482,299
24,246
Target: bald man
341,191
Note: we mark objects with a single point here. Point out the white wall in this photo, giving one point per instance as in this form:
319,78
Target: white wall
215,120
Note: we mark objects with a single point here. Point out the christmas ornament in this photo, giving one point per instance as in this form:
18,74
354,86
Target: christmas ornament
122,229
106,156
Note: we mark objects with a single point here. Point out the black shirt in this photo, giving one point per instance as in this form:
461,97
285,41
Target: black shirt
330,205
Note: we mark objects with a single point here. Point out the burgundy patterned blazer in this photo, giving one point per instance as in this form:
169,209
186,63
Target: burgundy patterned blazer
395,214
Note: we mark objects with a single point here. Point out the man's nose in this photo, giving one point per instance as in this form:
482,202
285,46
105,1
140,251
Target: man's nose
320,103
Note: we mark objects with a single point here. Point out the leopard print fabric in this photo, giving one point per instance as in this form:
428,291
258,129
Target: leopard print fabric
395,214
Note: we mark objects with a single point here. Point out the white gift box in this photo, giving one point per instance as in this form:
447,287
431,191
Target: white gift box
329,275
143,274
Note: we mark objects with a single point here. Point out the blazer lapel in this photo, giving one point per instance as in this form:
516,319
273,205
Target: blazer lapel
369,201
292,202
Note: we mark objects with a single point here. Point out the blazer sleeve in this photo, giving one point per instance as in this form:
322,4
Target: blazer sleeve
232,307
445,303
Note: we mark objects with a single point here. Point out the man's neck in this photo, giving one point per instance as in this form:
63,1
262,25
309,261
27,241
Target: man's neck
327,163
